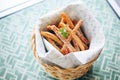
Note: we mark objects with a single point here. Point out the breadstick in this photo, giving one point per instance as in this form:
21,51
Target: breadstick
53,43
64,50
77,26
60,24
70,38
78,41
79,33
75,45
67,36
51,36
67,19
76,38
68,45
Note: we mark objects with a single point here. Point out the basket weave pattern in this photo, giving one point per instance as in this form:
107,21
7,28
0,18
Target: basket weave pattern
60,73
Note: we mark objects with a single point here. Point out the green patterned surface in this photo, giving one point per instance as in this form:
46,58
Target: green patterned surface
16,58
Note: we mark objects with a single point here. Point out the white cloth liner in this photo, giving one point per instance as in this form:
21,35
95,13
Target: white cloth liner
90,27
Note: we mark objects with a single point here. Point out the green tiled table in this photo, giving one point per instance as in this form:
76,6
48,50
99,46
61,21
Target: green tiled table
17,61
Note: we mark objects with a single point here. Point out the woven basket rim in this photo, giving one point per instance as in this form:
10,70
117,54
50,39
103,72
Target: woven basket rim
33,46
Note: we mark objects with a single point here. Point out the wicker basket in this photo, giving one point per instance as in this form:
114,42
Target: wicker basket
60,73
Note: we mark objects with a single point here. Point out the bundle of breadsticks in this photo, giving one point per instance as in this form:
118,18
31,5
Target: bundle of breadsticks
66,36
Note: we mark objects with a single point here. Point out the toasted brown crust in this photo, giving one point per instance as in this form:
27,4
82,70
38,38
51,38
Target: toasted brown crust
74,41
51,36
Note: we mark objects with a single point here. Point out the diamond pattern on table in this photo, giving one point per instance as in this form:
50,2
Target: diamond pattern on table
17,61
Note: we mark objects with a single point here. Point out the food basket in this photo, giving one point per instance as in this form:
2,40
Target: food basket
60,73
94,34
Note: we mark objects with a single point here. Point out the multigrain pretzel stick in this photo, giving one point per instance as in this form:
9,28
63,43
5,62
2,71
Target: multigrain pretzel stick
51,36
68,45
66,18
